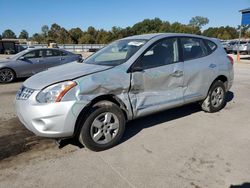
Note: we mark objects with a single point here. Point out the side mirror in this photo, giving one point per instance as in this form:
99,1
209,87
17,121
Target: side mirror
22,58
137,69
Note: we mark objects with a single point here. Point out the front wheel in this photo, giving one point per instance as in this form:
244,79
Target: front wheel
103,127
7,75
216,98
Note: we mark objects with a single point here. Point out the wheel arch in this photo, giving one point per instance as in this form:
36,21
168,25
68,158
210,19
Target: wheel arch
10,69
15,73
222,78
108,97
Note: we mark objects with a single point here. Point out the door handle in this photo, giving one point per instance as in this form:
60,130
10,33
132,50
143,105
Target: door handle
38,61
212,66
177,73
62,59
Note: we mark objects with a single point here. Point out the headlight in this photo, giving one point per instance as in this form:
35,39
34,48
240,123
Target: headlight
55,93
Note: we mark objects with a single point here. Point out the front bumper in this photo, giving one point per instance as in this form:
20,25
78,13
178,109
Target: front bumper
53,120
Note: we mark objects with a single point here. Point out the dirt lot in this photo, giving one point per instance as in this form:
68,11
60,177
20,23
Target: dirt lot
183,147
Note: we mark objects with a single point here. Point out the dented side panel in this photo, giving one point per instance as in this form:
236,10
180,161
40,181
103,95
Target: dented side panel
115,81
199,74
156,89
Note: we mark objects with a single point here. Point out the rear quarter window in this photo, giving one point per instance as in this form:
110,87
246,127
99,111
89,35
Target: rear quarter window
211,46
193,48
62,53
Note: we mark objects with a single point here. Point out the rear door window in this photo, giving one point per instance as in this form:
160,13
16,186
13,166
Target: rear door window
34,54
56,53
52,53
211,46
62,53
48,53
193,48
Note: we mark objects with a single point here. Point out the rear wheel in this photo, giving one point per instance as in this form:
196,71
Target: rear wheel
103,127
216,98
7,75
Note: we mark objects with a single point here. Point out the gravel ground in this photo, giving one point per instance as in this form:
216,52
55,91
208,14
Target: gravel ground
182,147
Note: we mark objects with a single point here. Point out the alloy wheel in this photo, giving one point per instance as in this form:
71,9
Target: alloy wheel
217,97
6,75
104,128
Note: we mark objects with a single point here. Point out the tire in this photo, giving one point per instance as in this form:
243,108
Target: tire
216,98
103,128
7,75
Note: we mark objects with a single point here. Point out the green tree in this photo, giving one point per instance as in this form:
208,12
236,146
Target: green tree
23,35
221,32
45,30
54,31
64,37
165,27
198,21
103,37
38,38
147,26
8,34
76,34
245,31
87,39
59,35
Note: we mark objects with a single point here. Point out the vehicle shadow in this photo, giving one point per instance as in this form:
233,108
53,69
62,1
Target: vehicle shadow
229,96
136,126
20,80
244,185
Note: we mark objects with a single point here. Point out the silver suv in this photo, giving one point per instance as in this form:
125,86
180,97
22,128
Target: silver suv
242,46
130,78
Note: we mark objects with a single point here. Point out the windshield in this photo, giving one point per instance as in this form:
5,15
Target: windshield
116,53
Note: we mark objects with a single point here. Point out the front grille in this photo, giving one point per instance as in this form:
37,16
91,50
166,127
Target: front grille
24,93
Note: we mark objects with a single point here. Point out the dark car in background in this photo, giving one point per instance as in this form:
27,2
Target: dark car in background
32,61
228,46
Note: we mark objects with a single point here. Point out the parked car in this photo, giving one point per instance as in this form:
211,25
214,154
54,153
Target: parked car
32,61
130,78
242,46
228,46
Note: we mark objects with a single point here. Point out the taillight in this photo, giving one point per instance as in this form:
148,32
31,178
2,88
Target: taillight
231,59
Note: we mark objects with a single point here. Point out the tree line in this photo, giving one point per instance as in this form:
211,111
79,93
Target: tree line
60,35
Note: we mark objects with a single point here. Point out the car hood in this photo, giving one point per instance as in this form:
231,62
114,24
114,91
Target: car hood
68,71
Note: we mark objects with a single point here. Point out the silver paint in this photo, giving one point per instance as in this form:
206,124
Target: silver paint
139,93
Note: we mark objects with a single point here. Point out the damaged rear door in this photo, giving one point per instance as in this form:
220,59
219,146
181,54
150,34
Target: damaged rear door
200,68
157,78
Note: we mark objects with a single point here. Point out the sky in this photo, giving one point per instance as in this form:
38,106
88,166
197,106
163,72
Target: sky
32,14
